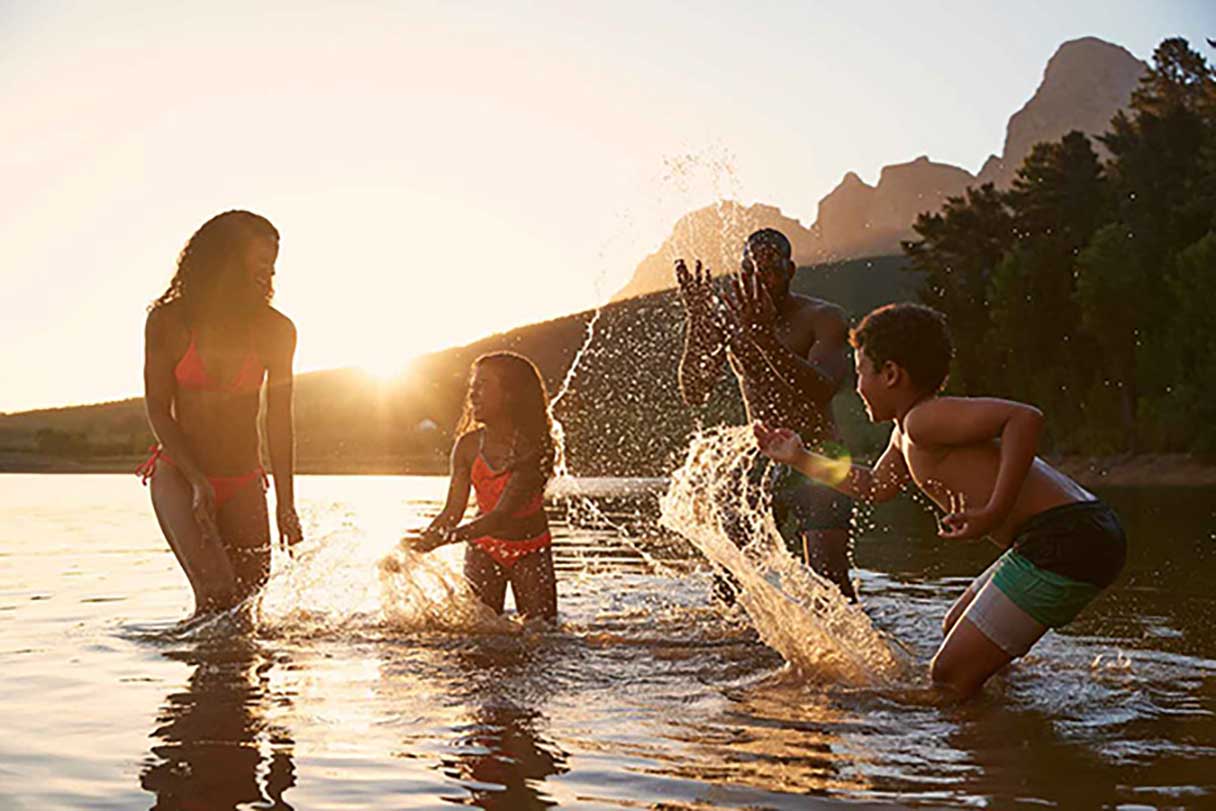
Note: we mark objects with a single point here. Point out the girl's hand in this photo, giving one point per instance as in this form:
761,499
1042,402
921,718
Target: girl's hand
429,539
289,525
203,503
779,444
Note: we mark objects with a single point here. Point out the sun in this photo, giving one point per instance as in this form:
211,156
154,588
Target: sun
386,370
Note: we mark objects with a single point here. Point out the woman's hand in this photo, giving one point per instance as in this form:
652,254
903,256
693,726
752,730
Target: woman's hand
203,504
290,531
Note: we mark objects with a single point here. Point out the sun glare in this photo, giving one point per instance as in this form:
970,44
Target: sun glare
386,370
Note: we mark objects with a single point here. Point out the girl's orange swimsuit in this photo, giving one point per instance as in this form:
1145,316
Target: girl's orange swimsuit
191,374
489,487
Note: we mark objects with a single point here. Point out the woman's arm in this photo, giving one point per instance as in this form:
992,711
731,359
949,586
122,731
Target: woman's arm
280,424
159,387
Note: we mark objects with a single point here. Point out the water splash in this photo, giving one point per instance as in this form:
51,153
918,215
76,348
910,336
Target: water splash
796,612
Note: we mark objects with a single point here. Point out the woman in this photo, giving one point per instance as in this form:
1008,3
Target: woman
210,340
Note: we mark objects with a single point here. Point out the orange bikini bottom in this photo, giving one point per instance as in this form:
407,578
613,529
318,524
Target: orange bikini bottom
225,487
505,553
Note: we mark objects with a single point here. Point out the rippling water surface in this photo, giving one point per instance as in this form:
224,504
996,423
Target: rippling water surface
366,684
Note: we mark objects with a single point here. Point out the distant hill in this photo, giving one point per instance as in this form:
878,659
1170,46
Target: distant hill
1084,84
622,412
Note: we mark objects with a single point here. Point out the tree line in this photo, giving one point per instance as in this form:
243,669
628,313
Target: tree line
1089,286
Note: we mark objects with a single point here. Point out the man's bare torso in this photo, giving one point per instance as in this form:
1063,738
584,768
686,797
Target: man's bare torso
768,395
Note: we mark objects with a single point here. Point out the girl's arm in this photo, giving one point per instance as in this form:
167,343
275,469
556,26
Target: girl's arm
280,426
974,420
459,485
880,483
159,386
525,483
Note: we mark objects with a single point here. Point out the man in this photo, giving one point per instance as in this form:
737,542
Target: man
790,355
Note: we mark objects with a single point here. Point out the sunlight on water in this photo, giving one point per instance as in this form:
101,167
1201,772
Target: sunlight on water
796,612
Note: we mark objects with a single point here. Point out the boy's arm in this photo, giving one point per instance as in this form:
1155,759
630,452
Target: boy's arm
880,483
946,421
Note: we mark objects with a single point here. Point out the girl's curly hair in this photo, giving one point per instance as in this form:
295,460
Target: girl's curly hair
527,406
202,281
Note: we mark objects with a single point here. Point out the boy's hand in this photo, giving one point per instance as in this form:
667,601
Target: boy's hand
962,524
779,444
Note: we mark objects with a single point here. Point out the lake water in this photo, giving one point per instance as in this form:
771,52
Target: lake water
647,695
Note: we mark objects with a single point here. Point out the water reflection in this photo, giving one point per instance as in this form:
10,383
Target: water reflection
501,755
217,746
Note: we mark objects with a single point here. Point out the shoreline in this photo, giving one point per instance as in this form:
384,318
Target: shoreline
1141,470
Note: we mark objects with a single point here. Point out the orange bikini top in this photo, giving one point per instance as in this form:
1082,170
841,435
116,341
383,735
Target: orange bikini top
191,374
489,487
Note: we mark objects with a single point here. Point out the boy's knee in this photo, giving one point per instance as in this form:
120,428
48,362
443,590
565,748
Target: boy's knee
956,612
950,675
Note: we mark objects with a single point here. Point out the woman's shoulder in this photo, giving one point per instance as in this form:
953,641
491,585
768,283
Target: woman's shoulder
274,335
277,325
166,322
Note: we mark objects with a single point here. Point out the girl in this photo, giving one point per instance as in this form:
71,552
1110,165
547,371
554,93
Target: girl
210,340
505,452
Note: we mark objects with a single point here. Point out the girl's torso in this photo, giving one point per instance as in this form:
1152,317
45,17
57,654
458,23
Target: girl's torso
491,473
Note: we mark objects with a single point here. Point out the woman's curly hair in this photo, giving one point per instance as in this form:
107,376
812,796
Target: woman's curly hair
528,409
203,265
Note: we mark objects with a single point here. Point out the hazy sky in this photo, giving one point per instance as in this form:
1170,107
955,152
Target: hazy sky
441,171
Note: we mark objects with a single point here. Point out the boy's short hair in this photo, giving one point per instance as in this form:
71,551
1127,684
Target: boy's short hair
911,336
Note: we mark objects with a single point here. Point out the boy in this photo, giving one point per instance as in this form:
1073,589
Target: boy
975,457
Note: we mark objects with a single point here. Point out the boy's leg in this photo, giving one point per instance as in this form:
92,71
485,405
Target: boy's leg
964,600
534,584
991,632
966,660
485,577
206,564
